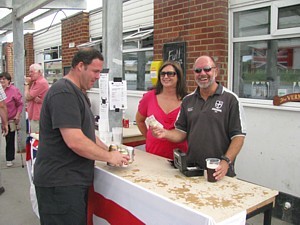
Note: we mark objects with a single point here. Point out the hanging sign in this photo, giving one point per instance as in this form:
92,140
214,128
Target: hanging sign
117,95
103,107
295,97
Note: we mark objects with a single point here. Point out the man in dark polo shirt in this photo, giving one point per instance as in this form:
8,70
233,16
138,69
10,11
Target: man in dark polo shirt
211,119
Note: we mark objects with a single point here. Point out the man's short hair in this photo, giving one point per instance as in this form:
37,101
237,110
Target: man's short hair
86,55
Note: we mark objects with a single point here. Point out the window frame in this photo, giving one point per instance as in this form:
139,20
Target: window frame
139,35
135,51
46,61
274,14
275,34
147,32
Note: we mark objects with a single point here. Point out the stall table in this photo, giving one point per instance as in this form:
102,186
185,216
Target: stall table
132,136
151,191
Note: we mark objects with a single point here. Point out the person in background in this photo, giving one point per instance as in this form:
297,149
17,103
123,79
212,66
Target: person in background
211,119
68,146
4,125
163,103
14,104
36,87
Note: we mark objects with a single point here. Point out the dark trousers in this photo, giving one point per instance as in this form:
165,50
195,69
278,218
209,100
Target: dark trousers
10,146
62,205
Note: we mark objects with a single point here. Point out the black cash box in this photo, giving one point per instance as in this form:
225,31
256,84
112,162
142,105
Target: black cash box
189,170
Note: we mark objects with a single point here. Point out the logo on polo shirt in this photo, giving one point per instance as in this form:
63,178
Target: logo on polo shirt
218,106
190,109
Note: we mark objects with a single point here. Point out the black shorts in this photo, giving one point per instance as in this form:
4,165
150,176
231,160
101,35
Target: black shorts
62,205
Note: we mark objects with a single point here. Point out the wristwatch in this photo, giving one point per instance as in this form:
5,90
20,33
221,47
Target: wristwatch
224,157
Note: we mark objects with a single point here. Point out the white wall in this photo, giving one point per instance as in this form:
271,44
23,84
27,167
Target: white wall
136,14
47,38
271,154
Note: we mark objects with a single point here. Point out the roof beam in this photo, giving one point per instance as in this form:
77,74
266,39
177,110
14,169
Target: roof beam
27,8
6,4
22,11
54,4
30,6
67,4
27,26
5,21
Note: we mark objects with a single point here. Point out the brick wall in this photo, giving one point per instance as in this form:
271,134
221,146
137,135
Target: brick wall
202,24
29,56
75,30
8,51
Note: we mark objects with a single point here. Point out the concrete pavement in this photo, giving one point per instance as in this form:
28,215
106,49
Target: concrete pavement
15,205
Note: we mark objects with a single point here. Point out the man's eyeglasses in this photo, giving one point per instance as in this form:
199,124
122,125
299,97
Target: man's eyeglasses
168,73
205,68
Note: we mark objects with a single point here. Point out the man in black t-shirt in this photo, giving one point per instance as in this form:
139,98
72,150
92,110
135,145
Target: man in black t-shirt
211,119
64,166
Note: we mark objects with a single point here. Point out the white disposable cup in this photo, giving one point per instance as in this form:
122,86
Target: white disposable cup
108,138
117,133
130,153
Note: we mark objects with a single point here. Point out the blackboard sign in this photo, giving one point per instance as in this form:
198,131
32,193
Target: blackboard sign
176,52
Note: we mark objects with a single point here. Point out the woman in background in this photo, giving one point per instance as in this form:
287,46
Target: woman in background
163,102
14,106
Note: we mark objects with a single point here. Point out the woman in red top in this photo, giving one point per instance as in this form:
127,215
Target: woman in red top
163,103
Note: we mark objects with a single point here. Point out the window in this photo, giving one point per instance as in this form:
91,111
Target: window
289,17
97,44
266,60
52,53
252,22
52,64
137,58
139,35
137,69
129,44
267,68
286,16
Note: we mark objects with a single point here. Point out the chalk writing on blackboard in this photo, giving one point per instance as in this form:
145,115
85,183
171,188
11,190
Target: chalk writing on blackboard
176,52
175,55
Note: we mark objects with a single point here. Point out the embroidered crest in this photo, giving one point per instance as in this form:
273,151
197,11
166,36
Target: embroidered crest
218,106
190,109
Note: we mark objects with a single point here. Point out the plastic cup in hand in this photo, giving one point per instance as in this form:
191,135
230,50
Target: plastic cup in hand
211,165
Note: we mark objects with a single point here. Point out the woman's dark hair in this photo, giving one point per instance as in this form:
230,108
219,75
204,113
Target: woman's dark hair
6,75
86,55
180,86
